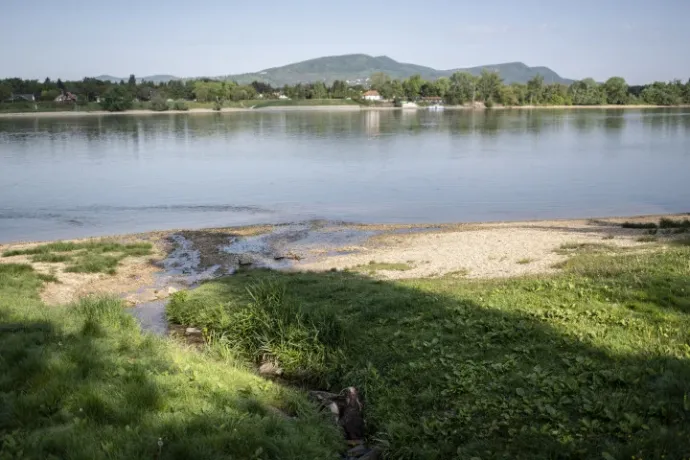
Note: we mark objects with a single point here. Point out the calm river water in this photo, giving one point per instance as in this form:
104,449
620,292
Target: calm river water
88,176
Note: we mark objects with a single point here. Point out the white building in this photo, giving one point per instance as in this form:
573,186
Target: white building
372,95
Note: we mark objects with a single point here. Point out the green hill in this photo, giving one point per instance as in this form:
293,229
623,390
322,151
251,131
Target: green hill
359,67
149,78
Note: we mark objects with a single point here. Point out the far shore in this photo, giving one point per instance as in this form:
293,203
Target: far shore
323,108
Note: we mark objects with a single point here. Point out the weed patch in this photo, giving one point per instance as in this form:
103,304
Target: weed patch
640,225
647,239
95,256
585,248
374,266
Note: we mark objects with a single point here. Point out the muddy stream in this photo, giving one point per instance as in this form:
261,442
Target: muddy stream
198,256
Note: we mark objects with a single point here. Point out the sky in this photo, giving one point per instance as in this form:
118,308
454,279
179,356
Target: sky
640,40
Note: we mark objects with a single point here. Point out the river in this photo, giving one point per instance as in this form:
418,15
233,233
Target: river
67,177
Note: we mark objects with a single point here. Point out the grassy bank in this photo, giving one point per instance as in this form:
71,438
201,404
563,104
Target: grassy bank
304,103
593,362
33,107
81,381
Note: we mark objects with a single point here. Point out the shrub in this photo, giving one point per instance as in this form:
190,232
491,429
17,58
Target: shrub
489,103
217,106
180,105
117,99
670,223
159,104
639,225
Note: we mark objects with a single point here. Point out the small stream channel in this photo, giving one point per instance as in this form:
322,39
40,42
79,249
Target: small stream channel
280,249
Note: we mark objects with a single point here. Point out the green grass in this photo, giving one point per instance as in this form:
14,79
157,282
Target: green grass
82,382
303,102
24,107
374,266
673,223
94,256
664,222
591,363
586,248
647,239
640,225
51,257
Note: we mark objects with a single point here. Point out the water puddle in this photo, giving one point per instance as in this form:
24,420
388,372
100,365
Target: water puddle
287,244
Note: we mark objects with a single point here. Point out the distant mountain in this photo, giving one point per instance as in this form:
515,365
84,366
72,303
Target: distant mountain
151,78
359,67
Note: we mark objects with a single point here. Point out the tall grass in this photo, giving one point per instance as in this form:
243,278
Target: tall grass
269,327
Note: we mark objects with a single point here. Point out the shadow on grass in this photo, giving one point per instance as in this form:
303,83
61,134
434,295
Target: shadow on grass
81,382
507,369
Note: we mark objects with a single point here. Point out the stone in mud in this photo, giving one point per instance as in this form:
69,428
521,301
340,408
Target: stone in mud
373,454
171,290
358,451
130,301
270,369
244,259
193,332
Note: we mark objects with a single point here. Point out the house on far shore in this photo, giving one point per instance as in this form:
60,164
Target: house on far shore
432,100
22,97
372,95
66,97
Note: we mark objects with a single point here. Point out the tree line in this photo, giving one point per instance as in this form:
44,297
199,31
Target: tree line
465,88
459,88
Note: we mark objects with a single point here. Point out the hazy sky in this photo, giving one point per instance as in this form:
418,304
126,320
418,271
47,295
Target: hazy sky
641,40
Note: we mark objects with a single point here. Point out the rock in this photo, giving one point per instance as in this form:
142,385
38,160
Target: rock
270,369
293,256
192,331
244,259
358,451
373,454
171,290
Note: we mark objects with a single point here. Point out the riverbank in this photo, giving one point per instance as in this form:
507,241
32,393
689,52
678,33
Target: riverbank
489,332
468,250
335,108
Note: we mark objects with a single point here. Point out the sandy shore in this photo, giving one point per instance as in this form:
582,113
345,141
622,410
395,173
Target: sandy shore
481,250
325,108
